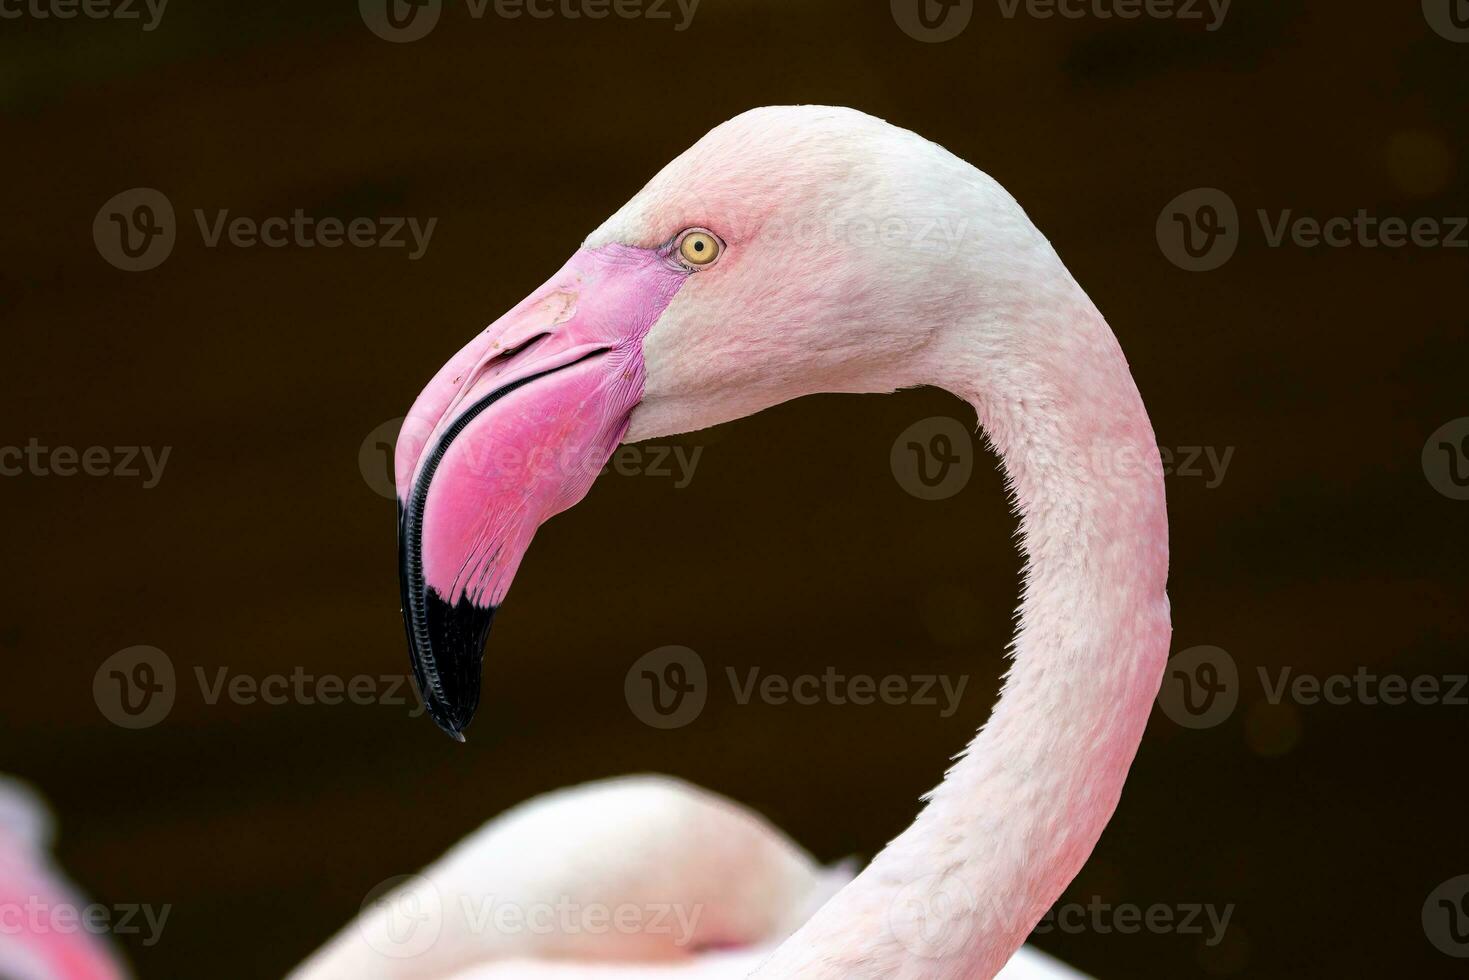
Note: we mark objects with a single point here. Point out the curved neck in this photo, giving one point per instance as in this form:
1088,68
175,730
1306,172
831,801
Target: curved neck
1018,814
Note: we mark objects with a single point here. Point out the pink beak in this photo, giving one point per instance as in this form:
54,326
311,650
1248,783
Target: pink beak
509,433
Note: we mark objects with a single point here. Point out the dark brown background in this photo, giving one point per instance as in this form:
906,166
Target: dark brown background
264,549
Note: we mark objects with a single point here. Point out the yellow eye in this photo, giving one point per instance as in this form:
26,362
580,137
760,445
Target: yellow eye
699,248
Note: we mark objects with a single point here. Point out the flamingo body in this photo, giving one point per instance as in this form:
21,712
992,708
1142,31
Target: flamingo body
724,884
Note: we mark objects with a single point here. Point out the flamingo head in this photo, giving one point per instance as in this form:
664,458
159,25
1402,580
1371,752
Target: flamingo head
791,250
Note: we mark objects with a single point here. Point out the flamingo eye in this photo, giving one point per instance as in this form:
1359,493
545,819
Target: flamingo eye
698,248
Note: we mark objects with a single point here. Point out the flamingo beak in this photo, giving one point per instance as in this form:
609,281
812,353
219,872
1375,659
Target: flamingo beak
510,432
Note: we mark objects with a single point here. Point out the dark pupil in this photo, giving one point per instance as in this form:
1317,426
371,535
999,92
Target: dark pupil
698,246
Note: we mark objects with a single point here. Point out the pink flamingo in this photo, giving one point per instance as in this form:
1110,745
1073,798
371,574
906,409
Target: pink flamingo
41,933
783,255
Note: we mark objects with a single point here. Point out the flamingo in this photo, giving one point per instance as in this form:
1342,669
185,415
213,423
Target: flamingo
40,933
777,257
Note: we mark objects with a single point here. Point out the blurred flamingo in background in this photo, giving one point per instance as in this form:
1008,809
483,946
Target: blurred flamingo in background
707,889
42,936
791,251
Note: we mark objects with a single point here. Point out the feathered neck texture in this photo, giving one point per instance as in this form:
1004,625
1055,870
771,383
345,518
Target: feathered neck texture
1020,811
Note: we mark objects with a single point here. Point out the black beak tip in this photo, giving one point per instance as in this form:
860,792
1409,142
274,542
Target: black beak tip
446,642
448,656
451,722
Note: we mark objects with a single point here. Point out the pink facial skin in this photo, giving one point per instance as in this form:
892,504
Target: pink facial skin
511,431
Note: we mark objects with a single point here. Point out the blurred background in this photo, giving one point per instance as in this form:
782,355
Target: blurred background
1307,396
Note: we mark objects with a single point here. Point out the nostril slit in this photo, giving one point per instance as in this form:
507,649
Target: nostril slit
506,356
520,348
